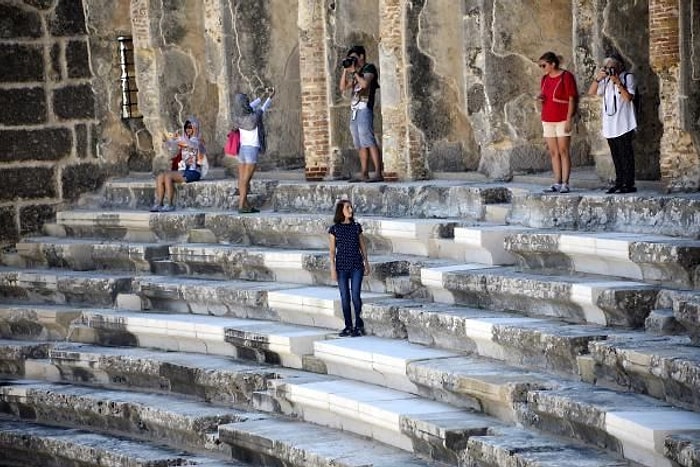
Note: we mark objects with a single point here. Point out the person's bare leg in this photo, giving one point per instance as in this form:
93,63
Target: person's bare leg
169,179
249,176
376,160
242,186
364,156
160,188
556,162
563,145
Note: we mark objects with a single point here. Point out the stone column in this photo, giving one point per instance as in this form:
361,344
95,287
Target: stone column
315,103
401,142
680,167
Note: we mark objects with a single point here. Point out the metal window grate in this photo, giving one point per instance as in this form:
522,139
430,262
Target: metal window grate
130,102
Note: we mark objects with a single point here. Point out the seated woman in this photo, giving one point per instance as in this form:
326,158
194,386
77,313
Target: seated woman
192,165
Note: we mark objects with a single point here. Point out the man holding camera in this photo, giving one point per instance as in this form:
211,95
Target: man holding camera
363,79
619,120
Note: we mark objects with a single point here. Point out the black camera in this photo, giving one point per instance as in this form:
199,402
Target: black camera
348,62
610,71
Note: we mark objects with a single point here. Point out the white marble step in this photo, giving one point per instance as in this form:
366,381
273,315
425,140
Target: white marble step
265,340
654,258
314,306
297,443
584,299
485,243
373,360
393,417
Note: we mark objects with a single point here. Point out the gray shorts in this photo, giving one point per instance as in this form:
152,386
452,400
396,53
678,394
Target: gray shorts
248,155
362,128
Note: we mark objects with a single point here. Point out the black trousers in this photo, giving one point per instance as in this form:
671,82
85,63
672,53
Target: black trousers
623,158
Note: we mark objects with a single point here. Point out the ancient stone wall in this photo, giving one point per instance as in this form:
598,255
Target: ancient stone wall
49,122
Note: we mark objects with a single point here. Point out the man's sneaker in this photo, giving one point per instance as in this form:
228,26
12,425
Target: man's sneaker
345,332
564,188
167,208
553,189
156,208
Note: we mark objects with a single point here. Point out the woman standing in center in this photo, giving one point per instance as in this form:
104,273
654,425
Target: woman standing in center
349,264
558,96
248,118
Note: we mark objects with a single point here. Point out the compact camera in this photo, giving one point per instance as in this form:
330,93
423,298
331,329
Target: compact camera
610,71
348,62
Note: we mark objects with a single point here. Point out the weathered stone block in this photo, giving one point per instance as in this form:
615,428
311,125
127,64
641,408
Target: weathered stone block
55,70
46,144
81,143
8,225
78,60
23,106
28,183
72,102
68,19
21,24
21,62
81,178
32,218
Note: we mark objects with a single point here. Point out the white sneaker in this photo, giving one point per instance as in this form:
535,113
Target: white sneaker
564,188
155,208
167,208
553,189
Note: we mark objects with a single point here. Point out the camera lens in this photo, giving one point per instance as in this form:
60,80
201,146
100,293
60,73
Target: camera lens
348,62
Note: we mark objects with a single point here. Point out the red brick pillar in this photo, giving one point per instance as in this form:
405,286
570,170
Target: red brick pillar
679,164
315,101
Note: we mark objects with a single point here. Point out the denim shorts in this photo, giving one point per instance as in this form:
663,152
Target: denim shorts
191,175
248,154
362,128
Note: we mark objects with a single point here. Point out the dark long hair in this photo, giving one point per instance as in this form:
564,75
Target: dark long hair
339,217
551,57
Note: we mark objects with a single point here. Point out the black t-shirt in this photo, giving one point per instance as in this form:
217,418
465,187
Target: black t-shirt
348,255
374,85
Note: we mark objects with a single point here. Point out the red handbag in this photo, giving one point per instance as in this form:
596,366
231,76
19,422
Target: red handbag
233,143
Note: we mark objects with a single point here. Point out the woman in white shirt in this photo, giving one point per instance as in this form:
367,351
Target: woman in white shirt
248,118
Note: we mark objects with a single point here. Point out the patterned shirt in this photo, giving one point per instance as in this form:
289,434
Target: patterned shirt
348,255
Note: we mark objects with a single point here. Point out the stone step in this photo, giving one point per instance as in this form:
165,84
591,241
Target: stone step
87,255
61,286
314,306
36,322
436,430
166,419
138,226
288,442
216,379
685,308
272,264
486,243
684,449
33,445
644,213
578,298
383,235
16,356
471,382
629,424
262,341
519,448
660,259
208,193
665,367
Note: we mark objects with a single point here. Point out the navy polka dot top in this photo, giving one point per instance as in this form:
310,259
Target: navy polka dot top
348,255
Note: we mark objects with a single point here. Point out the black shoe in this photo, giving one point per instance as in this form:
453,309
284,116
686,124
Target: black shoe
345,332
357,332
628,189
613,189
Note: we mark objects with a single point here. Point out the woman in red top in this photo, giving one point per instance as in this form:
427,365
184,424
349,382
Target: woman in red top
558,96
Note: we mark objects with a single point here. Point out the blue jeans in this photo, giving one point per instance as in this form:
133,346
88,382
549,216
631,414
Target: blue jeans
350,284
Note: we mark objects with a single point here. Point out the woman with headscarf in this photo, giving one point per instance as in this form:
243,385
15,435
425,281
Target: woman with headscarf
192,165
248,118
